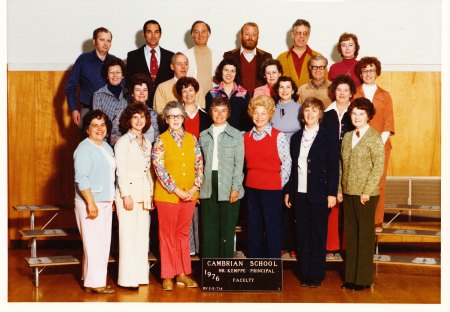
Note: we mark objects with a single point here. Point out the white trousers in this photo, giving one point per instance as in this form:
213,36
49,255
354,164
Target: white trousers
134,227
96,237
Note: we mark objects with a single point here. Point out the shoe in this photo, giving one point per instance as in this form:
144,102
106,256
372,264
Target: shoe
360,287
305,283
130,287
330,256
100,290
285,255
292,254
348,286
185,281
337,256
378,229
315,284
167,284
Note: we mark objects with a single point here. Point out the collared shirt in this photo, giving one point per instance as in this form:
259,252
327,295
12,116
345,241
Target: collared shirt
334,107
158,161
87,74
148,55
282,147
248,56
355,138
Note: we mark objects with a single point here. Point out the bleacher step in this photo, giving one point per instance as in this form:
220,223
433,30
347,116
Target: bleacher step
37,207
27,234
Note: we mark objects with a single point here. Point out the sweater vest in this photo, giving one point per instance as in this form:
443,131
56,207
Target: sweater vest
263,162
248,73
179,163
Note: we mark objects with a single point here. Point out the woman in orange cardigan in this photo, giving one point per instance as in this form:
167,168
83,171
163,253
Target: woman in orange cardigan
178,164
369,68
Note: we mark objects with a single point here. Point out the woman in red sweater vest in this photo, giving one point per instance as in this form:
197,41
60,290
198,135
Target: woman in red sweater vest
268,164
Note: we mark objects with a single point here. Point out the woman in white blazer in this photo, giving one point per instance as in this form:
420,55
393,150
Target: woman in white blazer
134,196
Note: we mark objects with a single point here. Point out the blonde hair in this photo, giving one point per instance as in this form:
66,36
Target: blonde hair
261,100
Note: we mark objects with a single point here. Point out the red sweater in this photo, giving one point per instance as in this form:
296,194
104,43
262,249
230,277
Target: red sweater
193,125
248,76
263,162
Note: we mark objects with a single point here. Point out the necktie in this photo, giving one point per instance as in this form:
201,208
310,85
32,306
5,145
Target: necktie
153,65
357,133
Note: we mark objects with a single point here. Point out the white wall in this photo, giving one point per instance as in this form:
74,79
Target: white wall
49,34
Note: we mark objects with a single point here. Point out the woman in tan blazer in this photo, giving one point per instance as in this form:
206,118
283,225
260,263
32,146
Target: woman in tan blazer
362,162
134,196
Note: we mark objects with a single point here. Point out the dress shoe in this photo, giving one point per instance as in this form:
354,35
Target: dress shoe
130,287
360,287
100,290
348,286
185,281
305,283
167,284
315,284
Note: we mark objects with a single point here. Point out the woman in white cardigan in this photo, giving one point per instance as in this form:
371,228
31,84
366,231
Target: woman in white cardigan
134,196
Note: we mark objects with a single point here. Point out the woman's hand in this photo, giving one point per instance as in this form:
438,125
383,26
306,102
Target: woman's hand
92,211
287,202
192,192
340,197
364,198
127,203
331,201
234,196
183,195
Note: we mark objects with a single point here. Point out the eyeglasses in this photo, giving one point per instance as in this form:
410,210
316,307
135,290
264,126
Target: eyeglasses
301,33
118,72
368,71
318,67
173,117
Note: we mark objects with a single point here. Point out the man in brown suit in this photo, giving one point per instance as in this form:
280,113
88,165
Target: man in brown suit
249,57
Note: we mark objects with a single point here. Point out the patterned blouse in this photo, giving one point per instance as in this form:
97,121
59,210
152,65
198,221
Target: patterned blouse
158,161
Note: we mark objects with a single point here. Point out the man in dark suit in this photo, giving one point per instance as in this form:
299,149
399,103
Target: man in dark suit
250,57
150,59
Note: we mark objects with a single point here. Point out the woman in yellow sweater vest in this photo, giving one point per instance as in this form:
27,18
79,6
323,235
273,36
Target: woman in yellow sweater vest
178,164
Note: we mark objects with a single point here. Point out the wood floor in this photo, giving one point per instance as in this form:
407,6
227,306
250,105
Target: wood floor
393,284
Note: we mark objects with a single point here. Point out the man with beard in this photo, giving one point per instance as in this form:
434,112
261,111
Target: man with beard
295,60
249,57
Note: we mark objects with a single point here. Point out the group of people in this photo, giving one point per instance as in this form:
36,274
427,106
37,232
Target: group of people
304,149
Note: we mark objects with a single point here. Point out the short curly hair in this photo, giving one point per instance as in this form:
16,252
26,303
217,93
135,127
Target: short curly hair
346,37
112,61
341,79
365,61
95,114
137,80
363,104
185,82
228,61
127,114
261,100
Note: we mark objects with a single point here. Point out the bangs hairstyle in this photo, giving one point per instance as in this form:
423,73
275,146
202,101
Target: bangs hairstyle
312,102
220,101
341,79
346,37
365,61
227,61
268,62
112,61
261,100
95,114
138,80
127,115
363,104
185,82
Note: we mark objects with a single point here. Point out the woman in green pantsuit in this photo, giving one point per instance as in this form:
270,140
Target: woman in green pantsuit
223,154
362,164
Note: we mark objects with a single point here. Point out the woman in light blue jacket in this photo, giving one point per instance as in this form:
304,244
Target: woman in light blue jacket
223,154
94,194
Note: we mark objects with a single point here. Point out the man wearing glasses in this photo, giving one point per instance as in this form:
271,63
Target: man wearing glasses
318,85
295,60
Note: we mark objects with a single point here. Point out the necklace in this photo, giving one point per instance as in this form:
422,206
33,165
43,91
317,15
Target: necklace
307,142
351,67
